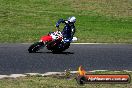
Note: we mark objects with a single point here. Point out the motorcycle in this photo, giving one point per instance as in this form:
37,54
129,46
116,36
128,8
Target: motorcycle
53,41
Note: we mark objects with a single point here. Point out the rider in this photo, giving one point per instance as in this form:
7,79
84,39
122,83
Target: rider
69,28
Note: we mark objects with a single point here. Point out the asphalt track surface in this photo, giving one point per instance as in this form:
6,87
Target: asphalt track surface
15,59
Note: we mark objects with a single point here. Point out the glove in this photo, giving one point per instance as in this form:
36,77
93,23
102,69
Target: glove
57,25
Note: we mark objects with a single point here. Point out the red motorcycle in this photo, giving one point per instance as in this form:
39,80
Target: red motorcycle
53,41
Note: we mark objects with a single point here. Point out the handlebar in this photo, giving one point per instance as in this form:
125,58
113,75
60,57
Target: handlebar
56,35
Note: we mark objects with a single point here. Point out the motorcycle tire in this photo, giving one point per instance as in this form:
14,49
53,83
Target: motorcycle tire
35,47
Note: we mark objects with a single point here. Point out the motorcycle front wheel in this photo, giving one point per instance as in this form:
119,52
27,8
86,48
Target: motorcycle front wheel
35,47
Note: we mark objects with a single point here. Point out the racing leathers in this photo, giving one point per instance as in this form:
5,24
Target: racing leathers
68,30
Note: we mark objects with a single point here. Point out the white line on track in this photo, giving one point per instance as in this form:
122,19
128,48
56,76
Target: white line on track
84,43
49,73
74,43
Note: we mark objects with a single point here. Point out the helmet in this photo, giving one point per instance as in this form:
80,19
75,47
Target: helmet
72,19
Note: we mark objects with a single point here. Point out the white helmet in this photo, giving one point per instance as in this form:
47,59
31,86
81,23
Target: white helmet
72,19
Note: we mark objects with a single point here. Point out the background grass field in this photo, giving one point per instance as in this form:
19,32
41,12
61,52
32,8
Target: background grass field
102,21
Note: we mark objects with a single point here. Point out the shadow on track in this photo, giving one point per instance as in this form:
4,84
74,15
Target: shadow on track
66,53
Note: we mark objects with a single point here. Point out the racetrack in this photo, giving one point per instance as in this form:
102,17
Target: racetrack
15,59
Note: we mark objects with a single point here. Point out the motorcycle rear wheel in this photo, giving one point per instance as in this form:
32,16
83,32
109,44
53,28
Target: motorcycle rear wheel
35,47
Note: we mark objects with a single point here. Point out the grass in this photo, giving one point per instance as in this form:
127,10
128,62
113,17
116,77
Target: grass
101,21
57,82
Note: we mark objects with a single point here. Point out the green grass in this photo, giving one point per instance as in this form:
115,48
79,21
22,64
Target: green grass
102,21
57,82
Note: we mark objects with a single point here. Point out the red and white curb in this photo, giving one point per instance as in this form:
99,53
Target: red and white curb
49,73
